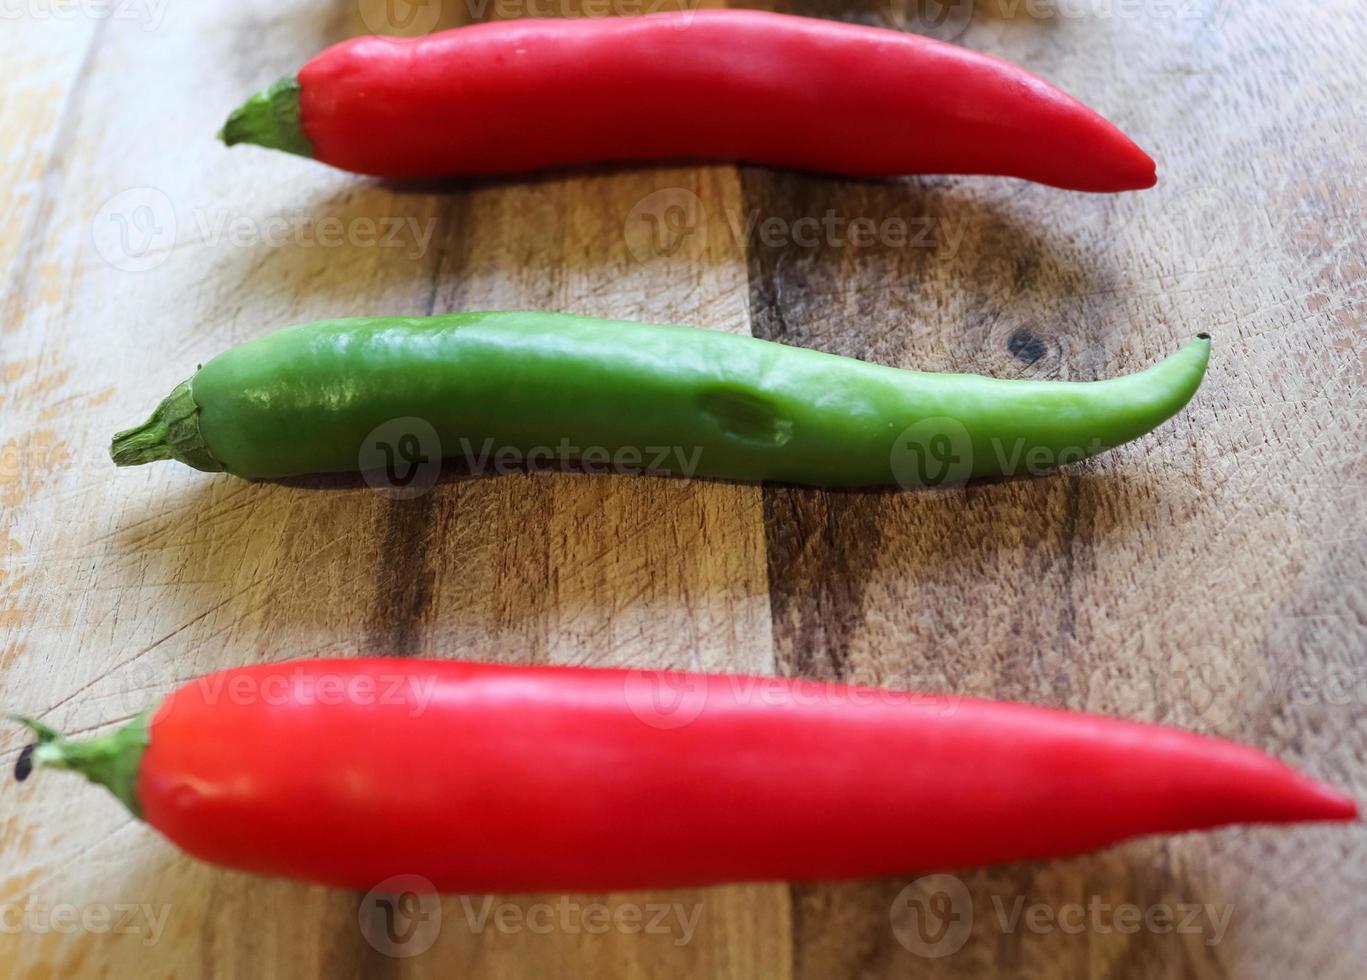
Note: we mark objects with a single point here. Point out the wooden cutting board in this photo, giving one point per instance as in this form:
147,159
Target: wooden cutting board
1211,575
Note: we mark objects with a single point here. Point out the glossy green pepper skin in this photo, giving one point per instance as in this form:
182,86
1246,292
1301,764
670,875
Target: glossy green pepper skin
306,399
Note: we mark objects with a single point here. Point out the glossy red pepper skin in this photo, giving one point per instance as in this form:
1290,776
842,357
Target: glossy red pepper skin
749,86
493,778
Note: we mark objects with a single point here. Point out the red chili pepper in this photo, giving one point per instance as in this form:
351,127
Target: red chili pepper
492,778
739,85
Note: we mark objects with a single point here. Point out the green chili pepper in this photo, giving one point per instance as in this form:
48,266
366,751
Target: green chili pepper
309,399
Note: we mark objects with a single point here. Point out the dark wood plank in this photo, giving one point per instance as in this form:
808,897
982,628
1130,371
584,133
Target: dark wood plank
1183,579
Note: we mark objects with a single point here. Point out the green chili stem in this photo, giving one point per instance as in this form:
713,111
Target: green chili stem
270,118
172,432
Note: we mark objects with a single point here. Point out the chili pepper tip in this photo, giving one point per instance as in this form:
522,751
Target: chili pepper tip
1320,801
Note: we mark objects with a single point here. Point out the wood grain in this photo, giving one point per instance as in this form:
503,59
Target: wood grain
1211,575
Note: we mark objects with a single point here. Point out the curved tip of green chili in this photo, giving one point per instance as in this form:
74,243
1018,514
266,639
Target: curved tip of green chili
1202,343
269,118
172,432
1200,349
1181,373
110,760
1160,392
1121,409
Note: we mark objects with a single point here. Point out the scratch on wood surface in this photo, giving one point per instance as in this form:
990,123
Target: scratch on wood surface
21,278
